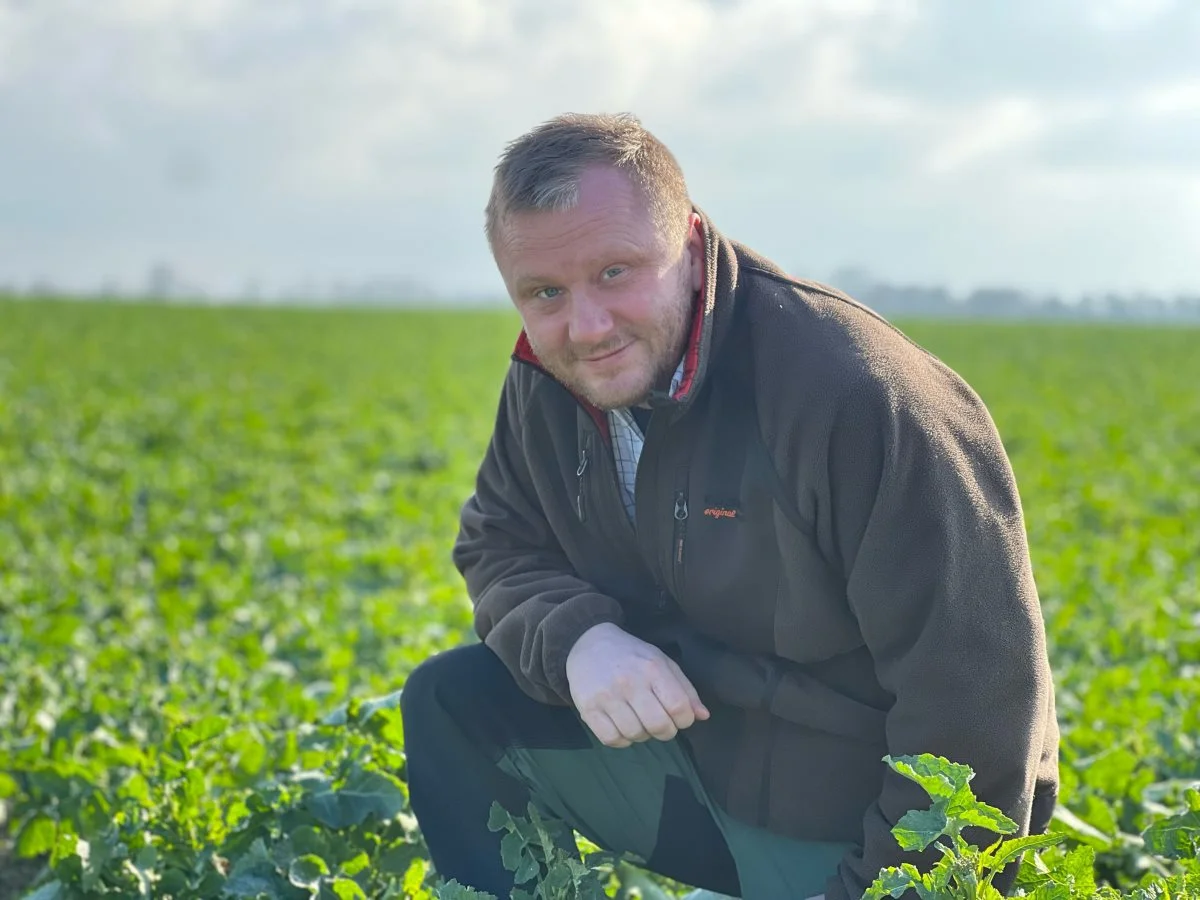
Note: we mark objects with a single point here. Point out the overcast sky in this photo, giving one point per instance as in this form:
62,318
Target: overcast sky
1051,145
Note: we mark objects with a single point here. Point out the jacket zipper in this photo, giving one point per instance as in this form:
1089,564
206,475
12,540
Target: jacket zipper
580,506
663,601
680,530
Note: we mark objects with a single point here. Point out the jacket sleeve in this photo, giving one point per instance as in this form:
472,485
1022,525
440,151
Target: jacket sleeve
928,526
530,607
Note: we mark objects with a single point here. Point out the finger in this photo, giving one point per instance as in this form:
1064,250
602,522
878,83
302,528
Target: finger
674,700
656,720
626,720
604,728
698,706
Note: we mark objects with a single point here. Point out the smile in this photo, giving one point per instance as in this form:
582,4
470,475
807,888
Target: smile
607,356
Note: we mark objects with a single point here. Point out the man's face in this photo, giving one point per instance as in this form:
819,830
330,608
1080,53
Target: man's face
606,303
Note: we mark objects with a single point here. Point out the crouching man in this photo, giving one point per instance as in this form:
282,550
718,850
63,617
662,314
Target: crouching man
734,539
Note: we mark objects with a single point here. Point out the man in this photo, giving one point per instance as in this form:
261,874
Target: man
734,539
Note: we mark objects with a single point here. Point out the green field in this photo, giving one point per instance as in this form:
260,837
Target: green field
220,526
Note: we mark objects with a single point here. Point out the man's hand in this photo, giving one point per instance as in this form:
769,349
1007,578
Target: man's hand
627,690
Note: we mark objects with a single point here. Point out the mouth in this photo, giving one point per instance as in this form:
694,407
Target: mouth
606,356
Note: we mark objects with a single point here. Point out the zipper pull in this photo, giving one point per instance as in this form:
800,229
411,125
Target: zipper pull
583,464
681,514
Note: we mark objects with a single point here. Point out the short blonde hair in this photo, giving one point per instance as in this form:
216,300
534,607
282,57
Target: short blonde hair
541,169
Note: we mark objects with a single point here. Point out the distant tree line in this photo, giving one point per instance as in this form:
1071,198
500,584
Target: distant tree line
898,301
891,300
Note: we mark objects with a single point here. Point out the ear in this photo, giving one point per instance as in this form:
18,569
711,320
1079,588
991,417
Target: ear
695,250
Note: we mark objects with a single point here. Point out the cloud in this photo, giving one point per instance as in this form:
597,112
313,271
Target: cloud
330,138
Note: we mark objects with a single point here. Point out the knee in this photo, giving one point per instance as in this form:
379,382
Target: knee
445,686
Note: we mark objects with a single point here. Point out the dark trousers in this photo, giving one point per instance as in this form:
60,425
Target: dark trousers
472,737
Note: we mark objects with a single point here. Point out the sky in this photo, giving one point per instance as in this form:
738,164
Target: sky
1047,145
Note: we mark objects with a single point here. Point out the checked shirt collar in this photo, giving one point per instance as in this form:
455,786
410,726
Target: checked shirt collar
627,443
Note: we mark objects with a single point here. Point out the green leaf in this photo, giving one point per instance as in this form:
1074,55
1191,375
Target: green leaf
549,831
1191,796
983,816
558,877
336,717
254,885
414,879
254,875
512,850
250,753
306,871
527,870
397,858
918,828
1077,871
137,788
1053,891
174,883
344,889
355,864
37,837
368,708
365,794
308,839
182,742
1081,830
498,817
937,775
452,890
891,882
993,860
147,858
209,727
1177,837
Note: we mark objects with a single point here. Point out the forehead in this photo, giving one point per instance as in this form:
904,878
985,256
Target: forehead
610,216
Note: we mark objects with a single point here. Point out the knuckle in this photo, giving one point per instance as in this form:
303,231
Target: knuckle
650,668
678,707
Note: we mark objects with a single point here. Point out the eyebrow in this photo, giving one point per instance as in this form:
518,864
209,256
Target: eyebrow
528,282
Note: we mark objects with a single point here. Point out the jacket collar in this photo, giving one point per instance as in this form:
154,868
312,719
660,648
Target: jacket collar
711,317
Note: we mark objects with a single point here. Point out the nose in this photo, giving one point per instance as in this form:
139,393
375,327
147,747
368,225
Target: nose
590,323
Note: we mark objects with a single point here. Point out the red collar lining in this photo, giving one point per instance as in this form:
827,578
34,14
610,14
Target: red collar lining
524,353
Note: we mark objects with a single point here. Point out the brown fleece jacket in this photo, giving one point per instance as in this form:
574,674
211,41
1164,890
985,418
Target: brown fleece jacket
850,575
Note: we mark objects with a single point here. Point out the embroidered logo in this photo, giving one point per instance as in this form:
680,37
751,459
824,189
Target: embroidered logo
721,512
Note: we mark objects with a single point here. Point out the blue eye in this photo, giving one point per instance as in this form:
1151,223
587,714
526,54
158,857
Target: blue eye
613,271
547,293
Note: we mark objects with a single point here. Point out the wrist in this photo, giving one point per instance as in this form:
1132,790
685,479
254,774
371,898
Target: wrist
599,630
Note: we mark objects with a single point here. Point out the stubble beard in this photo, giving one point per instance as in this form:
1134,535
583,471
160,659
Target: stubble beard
665,342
